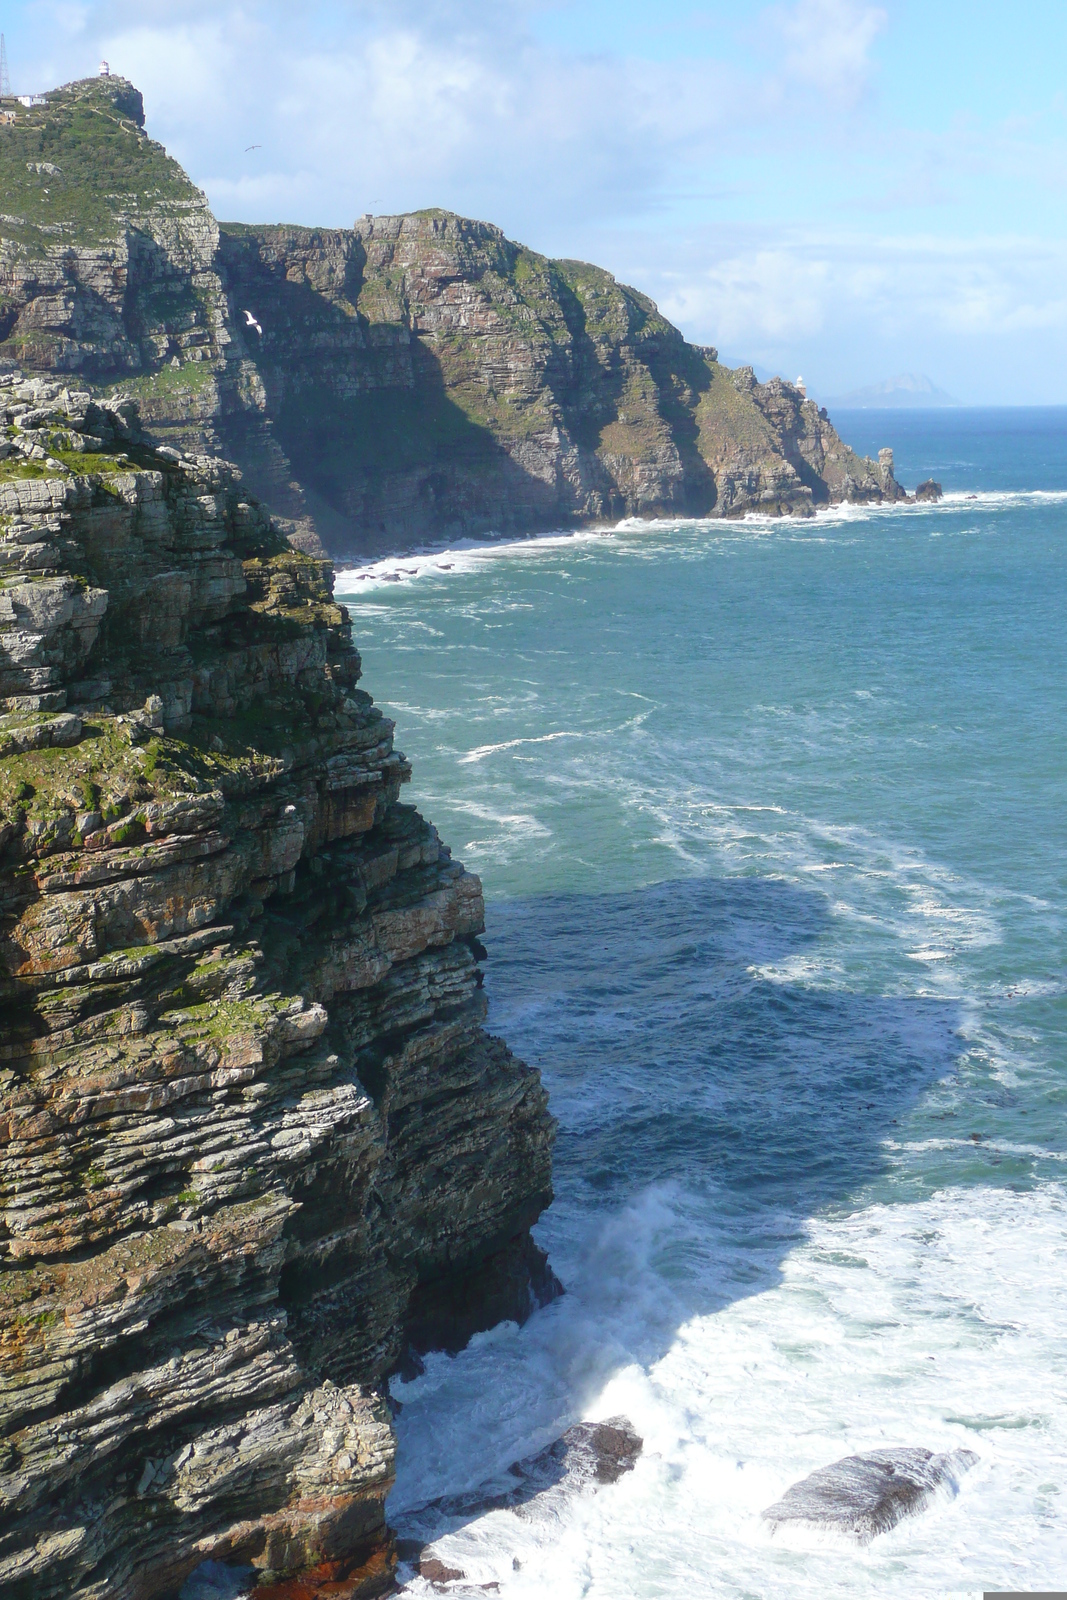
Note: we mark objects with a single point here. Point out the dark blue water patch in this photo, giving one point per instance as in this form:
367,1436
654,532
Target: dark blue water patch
670,1056
988,448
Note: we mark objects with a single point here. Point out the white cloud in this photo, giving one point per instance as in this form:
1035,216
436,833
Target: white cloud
365,104
987,313
763,294
828,45
799,284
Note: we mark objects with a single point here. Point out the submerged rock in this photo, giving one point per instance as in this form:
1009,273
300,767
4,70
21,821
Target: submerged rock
863,1496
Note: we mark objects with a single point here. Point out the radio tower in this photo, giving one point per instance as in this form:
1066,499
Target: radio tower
5,81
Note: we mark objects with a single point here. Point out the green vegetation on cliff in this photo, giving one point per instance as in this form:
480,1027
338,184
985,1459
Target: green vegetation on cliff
75,168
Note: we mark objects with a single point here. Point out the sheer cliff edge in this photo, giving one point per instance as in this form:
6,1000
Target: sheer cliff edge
255,1146
411,378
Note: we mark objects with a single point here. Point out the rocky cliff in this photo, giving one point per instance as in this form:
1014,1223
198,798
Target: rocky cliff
254,1142
426,376
409,378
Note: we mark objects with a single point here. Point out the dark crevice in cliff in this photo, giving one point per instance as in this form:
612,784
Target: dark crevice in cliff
447,1310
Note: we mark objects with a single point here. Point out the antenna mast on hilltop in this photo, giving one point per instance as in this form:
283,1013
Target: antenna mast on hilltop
5,81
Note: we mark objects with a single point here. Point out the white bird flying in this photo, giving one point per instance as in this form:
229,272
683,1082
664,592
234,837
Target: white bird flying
250,322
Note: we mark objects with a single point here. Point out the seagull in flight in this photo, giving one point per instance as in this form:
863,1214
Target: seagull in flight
249,147
250,322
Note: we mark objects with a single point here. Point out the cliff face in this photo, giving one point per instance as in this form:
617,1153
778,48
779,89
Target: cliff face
253,1138
409,378
426,376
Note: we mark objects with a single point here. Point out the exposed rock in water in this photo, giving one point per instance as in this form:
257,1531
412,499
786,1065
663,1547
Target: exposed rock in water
252,1132
930,490
591,1453
863,1496
436,1572
411,377
586,1457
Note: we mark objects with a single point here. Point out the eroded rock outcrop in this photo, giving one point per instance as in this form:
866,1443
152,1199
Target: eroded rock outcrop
412,377
860,1497
583,1460
110,274
253,1137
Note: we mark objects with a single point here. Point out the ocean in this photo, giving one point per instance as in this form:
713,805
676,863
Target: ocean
771,821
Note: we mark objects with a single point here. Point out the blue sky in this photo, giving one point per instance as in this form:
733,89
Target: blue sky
834,187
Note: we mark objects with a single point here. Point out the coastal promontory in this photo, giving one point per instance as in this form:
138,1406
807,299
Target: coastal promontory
257,1151
409,378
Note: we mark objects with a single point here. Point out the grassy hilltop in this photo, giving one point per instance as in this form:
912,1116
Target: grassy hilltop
78,167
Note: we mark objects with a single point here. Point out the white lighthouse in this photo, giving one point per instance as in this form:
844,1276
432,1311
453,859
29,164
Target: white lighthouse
105,70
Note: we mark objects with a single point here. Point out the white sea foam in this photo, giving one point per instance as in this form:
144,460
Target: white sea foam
894,891
461,557
898,1325
357,583
510,830
483,750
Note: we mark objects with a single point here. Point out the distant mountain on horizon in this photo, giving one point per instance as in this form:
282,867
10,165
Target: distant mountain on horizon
908,389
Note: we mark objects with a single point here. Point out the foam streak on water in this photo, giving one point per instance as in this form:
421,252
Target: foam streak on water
771,821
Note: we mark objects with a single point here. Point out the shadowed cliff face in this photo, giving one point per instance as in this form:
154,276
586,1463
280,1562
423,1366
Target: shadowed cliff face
254,1142
411,378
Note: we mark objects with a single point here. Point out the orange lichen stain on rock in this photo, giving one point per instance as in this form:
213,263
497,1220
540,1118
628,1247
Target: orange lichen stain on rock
351,1579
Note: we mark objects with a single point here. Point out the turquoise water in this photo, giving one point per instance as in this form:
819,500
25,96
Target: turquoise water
770,817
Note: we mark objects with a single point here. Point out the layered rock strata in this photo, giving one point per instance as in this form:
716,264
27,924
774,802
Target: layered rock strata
254,1141
409,378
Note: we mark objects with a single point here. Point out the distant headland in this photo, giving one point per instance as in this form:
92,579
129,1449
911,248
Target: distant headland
909,390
